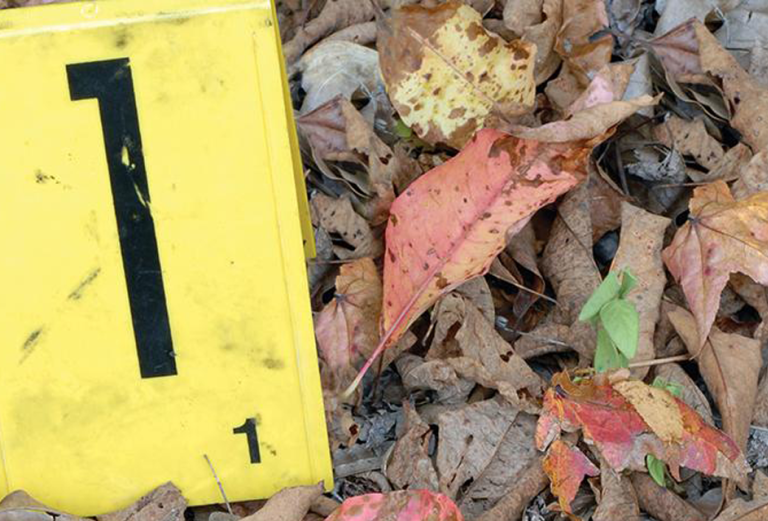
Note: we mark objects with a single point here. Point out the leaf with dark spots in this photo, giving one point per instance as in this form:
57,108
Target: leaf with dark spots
446,75
463,245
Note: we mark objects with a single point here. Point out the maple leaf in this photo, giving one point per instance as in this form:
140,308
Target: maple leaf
445,74
347,328
452,222
628,420
566,467
403,505
723,236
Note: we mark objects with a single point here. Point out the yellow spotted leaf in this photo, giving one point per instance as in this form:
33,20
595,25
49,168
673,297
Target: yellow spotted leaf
445,74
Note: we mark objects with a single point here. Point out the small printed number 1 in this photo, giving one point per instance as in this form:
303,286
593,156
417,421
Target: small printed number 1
249,429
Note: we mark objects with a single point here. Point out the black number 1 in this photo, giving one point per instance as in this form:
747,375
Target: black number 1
249,429
111,83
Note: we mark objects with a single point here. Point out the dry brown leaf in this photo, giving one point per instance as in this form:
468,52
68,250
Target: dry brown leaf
485,446
478,353
728,168
290,504
433,375
445,74
760,417
606,203
609,84
729,365
544,36
336,131
361,34
748,100
347,329
618,499
740,510
165,503
338,216
20,506
678,50
689,392
409,465
760,485
753,178
520,14
690,138
662,503
582,55
531,481
586,124
354,67
642,237
335,16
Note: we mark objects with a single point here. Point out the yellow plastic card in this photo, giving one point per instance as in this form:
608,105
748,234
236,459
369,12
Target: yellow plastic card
153,296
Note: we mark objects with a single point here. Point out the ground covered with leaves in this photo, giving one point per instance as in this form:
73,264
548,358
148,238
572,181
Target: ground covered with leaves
540,289
476,170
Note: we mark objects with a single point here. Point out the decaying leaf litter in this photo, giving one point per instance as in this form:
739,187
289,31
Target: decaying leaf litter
476,170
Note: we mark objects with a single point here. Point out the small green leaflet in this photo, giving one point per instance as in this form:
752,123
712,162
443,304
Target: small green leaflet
628,282
622,322
607,291
607,357
657,469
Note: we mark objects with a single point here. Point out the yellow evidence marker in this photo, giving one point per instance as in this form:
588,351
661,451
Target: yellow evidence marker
153,297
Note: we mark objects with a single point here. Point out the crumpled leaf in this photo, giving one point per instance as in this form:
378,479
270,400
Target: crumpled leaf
618,499
336,131
748,99
338,216
524,17
589,123
478,353
690,138
723,236
354,66
628,420
483,447
469,205
403,505
347,328
730,365
290,504
445,74
409,465
583,50
530,482
566,467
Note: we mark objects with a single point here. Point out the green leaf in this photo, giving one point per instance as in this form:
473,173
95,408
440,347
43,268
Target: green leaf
607,291
622,322
402,130
628,282
657,469
670,387
607,357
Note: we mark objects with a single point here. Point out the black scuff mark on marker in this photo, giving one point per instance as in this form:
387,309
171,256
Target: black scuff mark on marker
274,364
42,178
78,292
122,38
29,345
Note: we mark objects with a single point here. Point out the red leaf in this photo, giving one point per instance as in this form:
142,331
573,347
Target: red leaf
404,505
566,467
452,222
628,420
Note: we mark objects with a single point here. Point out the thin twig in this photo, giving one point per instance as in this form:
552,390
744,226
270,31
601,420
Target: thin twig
660,361
221,487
